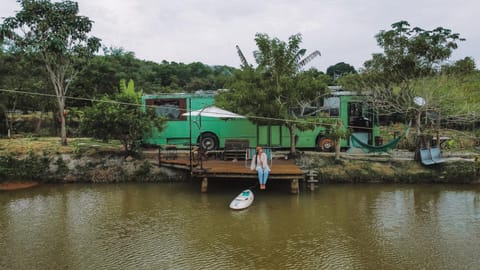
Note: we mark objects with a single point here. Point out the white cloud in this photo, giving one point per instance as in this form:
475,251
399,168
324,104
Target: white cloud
208,30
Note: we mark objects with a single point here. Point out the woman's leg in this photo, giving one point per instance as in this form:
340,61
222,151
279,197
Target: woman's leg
265,176
260,175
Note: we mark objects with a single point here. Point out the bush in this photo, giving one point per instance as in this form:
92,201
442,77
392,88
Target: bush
144,169
33,168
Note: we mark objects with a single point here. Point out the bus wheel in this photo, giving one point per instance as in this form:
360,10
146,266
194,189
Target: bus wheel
208,141
326,144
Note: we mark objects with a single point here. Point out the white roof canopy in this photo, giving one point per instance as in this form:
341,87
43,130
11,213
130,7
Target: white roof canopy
213,111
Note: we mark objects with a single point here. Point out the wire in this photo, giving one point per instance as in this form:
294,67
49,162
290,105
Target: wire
70,97
155,106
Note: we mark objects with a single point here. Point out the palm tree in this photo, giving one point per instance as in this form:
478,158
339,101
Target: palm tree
281,85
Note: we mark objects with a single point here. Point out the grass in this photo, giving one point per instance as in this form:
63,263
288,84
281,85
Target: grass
18,146
459,140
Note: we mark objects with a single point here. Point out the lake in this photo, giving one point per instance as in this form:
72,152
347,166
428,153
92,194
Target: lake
174,226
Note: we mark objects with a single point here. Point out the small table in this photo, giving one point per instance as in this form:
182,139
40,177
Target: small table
443,141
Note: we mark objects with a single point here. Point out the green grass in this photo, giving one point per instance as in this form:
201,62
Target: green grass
18,146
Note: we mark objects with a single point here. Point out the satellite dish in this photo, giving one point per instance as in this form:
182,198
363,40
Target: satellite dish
419,101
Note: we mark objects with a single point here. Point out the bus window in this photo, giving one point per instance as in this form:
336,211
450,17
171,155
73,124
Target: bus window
356,115
171,108
331,106
354,110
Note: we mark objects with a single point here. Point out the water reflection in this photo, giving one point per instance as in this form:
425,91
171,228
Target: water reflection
165,226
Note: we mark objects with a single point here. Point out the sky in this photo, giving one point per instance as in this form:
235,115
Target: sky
207,31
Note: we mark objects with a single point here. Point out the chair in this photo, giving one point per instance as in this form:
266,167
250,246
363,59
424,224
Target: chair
234,148
426,157
436,155
250,152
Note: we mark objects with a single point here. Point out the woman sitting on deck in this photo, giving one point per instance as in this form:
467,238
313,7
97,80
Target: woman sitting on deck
260,163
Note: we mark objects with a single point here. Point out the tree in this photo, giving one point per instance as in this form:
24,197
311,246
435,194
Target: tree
21,75
461,67
102,74
276,91
59,35
339,69
121,118
410,53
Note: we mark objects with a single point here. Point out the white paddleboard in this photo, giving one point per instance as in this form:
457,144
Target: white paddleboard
243,200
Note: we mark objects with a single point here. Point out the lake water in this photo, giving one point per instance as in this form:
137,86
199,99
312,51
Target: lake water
174,226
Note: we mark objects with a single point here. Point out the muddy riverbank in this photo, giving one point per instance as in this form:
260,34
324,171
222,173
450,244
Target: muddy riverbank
396,167
391,169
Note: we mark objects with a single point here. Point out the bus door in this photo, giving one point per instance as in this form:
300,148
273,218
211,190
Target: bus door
268,135
359,123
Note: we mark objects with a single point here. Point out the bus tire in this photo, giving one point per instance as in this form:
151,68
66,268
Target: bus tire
208,141
325,144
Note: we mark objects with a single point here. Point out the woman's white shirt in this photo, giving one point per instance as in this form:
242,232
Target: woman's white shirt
262,161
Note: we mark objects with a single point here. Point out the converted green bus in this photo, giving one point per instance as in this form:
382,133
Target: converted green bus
211,132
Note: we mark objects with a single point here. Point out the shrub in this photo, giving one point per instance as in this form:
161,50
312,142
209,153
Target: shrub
33,167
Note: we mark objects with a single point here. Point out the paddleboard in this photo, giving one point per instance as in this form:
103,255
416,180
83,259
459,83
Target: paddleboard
243,200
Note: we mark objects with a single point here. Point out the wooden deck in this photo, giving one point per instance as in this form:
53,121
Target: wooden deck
280,169
212,169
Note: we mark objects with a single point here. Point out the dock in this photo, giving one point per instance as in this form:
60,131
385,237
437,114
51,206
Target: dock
215,168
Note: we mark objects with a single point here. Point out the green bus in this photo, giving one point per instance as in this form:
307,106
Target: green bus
212,132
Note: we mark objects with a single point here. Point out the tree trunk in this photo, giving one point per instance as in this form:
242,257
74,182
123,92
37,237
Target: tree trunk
438,130
39,122
7,122
338,139
418,123
9,117
291,128
418,142
57,77
338,142
63,128
8,125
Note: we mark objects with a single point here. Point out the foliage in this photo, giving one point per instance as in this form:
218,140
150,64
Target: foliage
450,98
25,72
460,67
62,168
411,60
20,73
83,80
103,73
56,33
144,170
339,69
32,168
121,118
7,166
410,53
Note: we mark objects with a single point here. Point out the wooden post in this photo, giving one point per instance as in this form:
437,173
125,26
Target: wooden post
204,185
294,186
311,180
159,156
